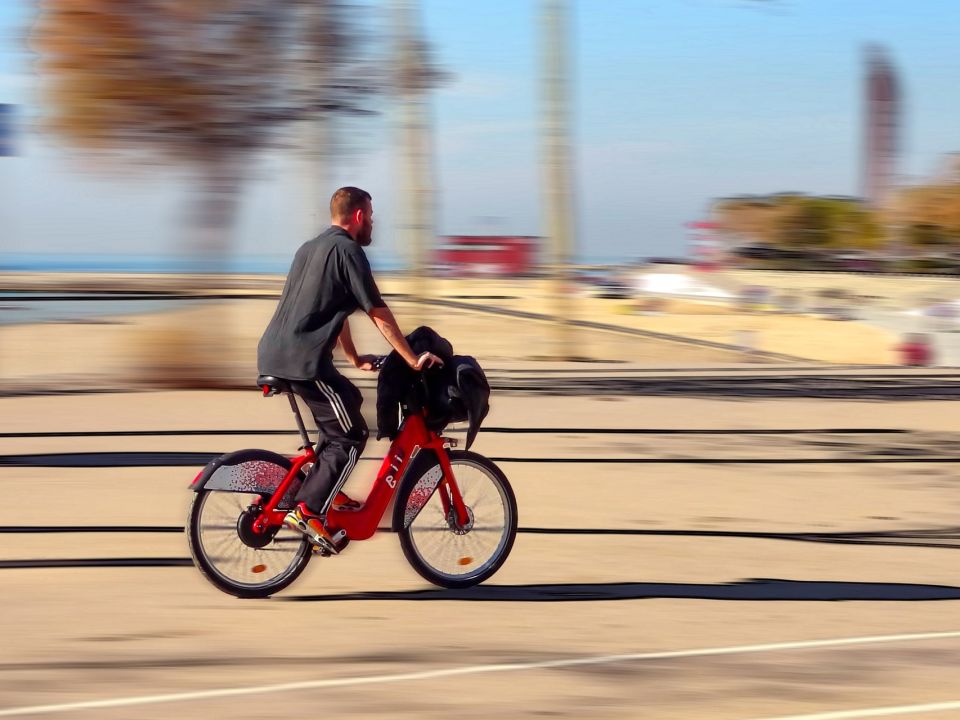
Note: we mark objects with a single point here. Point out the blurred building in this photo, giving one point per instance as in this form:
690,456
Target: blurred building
882,126
486,255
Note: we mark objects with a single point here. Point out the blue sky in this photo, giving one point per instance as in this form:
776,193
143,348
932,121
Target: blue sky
675,102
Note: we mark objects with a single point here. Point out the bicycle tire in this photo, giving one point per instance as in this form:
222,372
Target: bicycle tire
409,532
208,568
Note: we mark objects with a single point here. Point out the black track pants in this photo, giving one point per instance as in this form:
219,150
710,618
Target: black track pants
335,404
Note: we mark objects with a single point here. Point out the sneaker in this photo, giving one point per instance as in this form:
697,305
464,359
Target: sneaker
344,503
304,521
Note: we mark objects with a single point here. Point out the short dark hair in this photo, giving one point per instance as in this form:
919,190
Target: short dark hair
346,201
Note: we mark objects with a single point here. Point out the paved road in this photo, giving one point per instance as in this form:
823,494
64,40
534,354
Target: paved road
675,589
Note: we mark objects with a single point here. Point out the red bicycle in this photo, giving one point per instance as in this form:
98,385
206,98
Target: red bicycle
455,511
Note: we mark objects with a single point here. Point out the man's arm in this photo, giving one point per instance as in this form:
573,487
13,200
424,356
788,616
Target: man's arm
387,325
346,343
363,362
365,291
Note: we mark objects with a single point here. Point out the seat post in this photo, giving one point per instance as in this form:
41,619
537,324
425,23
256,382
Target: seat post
299,417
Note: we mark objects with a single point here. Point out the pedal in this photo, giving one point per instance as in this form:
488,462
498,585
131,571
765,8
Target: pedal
340,540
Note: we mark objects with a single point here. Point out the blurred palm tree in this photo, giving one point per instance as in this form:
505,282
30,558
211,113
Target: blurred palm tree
199,83
206,85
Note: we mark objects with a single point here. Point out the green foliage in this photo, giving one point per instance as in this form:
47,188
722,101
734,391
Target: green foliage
794,221
930,236
930,216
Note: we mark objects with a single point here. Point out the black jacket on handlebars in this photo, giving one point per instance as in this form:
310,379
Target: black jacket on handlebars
456,392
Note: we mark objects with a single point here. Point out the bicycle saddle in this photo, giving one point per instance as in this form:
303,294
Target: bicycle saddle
272,385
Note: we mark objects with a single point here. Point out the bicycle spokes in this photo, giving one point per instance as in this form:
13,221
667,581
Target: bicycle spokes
465,530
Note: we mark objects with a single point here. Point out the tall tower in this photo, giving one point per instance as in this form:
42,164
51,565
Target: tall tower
882,126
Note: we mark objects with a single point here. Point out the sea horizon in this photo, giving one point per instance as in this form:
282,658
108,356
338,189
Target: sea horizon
150,264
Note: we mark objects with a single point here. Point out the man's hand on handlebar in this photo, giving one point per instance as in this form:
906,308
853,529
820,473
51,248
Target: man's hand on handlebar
373,363
427,360
370,363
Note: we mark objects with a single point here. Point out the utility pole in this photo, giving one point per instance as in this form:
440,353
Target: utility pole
413,80
558,171
315,182
316,134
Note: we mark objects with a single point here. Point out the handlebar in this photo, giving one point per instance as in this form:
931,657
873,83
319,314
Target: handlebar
380,359
422,381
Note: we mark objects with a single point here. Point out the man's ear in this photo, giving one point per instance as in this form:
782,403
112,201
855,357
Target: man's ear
358,216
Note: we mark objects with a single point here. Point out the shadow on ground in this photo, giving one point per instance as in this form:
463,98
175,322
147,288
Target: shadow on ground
755,589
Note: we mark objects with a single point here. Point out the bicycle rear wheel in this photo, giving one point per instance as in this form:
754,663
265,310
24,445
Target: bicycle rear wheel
232,557
445,553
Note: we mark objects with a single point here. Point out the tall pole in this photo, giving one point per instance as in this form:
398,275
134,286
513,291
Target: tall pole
558,171
315,178
416,207
315,135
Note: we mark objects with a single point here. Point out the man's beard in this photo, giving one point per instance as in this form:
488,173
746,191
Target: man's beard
365,236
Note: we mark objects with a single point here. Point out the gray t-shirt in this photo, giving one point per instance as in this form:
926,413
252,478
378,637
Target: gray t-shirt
329,279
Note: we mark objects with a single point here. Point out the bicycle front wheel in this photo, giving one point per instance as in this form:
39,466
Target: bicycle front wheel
437,546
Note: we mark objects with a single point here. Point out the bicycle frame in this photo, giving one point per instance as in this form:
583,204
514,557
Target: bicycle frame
362,523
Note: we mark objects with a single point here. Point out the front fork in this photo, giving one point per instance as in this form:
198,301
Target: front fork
450,495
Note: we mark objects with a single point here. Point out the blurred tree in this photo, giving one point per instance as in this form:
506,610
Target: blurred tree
797,221
831,223
809,225
752,218
202,83
929,214
927,236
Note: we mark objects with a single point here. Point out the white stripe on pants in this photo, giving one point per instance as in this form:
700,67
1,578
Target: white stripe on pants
338,409
347,469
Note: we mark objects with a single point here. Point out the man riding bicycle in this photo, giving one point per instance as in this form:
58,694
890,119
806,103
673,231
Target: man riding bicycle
330,278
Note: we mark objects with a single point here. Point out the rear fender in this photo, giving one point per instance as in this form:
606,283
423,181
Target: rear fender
248,471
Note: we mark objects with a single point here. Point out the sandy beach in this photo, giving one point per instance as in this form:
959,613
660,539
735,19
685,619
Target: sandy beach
499,320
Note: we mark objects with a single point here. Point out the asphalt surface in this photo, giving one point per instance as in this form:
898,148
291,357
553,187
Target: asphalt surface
816,580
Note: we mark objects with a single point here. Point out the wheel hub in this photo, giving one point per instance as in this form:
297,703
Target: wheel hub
249,536
456,527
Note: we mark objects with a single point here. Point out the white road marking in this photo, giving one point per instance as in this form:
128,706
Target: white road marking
480,669
874,712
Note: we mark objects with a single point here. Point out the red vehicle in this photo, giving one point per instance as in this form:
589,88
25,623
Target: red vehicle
455,512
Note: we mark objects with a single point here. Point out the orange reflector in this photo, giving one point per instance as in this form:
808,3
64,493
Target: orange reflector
465,560
258,568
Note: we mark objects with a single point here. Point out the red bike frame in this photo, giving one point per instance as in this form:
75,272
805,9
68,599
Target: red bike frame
362,523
